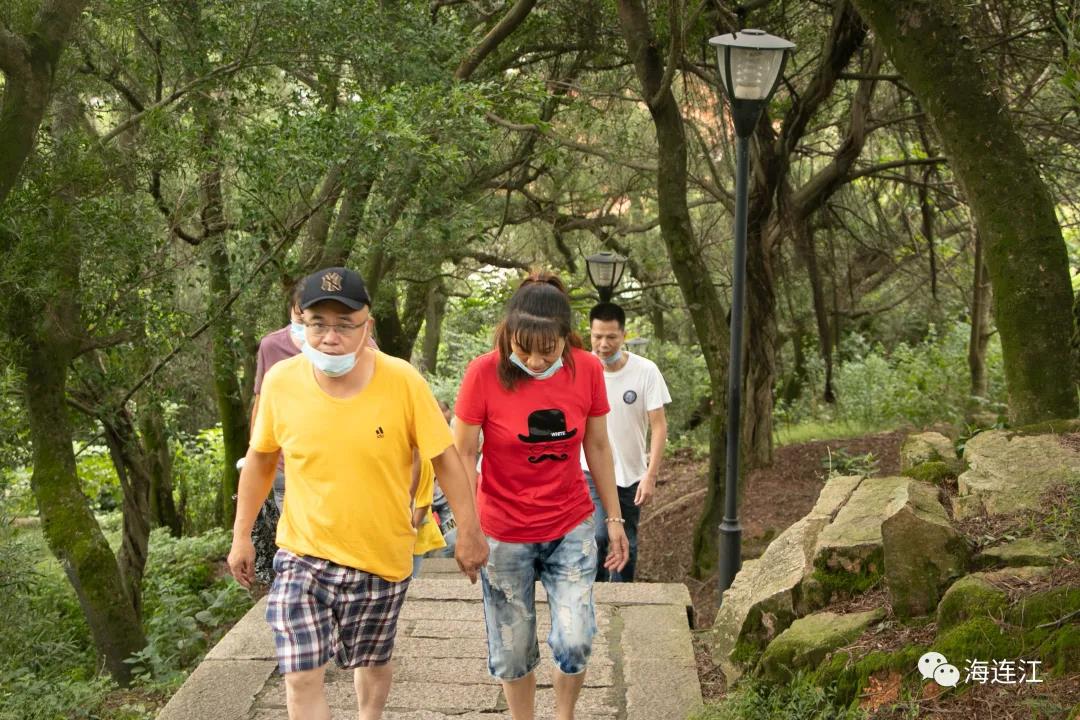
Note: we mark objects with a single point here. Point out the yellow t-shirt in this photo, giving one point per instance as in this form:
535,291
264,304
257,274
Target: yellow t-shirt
349,461
428,535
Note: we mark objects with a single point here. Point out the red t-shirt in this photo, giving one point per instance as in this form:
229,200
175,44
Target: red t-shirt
531,486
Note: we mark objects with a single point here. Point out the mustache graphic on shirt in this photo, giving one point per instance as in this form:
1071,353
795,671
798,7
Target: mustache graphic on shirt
561,457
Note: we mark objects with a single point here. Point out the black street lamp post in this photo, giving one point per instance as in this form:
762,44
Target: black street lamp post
751,63
605,271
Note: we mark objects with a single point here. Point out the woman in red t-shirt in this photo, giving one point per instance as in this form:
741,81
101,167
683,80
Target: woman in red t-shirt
539,399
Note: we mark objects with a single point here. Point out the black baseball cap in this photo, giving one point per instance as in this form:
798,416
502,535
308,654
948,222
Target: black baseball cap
335,283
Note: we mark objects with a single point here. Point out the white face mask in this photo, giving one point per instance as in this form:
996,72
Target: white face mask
613,359
533,374
331,365
296,330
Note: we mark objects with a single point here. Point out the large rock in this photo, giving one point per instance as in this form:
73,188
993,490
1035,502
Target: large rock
1018,553
923,552
848,556
806,643
1008,472
927,447
767,595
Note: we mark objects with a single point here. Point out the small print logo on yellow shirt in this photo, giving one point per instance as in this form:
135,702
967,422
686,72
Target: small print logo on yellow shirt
379,432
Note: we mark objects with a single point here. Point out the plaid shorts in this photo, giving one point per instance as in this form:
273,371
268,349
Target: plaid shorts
319,610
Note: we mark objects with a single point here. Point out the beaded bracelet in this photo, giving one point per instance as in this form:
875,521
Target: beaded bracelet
621,521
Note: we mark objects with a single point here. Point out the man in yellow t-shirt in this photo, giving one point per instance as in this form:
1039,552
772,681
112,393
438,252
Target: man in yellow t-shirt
347,419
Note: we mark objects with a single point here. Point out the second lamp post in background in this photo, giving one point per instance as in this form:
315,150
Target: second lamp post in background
605,271
751,63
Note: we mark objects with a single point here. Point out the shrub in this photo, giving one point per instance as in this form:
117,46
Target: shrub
197,467
798,700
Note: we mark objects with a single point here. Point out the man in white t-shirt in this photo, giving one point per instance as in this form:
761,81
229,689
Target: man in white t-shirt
637,394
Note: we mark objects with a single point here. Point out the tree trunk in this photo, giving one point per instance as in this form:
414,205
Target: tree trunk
135,483
433,320
687,262
163,512
72,532
44,318
1013,209
224,361
28,64
980,323
807,252
347,224
761,337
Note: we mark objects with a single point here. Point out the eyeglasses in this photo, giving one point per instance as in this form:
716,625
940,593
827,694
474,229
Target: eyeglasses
319,329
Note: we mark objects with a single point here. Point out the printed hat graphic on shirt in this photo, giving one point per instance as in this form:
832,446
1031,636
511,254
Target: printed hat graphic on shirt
547,426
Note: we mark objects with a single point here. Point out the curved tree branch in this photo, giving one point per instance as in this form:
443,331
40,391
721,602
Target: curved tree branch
496,35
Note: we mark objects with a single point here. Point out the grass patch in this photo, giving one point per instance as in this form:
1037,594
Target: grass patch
822,430
800,699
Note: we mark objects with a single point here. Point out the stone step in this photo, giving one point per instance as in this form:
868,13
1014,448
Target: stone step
642,666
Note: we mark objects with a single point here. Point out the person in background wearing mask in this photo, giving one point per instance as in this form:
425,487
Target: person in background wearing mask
275,346
349,421
539,399
637,393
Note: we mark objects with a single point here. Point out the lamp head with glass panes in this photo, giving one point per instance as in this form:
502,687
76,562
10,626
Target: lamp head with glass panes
751,63
605,271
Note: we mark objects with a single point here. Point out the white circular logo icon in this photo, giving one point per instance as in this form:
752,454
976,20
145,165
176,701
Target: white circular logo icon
929,662
947,675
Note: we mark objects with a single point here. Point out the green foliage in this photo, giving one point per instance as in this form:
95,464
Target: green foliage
840,462
919,384
188,604
48,668
46,659
97,476
800,699
197,465
880,386
687,379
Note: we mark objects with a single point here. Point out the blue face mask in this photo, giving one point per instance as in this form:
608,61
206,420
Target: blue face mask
536,375
296,330
613,359
331,365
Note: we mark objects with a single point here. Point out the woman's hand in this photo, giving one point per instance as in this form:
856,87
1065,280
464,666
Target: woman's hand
618,547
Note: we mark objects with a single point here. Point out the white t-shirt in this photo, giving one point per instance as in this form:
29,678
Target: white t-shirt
633,391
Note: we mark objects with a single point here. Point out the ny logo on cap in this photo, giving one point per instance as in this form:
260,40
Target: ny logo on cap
331,282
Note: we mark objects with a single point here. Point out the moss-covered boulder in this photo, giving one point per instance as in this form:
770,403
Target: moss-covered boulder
1021,553
979,637
807,642
1008,472
928,447
767,594
848,557
922,551
1045,608
935,472
981,595
848,677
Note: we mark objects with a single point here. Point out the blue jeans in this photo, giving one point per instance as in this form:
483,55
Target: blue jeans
566,567
631,513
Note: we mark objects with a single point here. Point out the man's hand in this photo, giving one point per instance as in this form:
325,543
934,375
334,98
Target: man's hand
471,552
419,515
646,488
242,561
618,547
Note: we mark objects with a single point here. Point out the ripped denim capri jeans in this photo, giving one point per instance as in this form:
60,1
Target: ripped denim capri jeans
567,568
